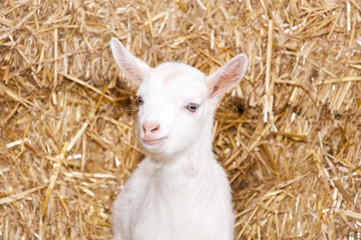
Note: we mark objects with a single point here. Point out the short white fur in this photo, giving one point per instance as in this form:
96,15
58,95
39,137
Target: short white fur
178,191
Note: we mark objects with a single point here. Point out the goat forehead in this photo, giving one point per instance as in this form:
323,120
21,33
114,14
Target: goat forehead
175,79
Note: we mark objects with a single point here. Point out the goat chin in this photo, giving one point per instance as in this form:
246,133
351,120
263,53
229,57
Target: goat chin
178,191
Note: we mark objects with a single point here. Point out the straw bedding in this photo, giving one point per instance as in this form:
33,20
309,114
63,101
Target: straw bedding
289,135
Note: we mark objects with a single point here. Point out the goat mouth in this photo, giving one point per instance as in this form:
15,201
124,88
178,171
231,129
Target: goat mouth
151,142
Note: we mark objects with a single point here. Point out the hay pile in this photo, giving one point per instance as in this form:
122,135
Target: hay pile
289,136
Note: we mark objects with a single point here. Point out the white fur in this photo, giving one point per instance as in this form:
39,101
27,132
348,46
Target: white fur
178,191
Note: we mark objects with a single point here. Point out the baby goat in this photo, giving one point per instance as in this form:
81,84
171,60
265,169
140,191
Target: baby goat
179,191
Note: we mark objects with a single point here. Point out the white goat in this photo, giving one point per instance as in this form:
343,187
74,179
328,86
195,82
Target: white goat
179,191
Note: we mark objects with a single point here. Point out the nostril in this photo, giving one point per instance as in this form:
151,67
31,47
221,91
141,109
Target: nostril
155,129
144,129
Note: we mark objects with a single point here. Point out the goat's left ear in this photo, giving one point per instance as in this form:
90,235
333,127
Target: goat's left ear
227,76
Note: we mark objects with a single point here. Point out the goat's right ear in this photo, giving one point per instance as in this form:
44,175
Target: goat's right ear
133,67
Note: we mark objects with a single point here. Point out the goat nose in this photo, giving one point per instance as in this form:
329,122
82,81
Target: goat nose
150,127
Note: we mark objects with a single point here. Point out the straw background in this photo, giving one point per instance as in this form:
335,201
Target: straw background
289,135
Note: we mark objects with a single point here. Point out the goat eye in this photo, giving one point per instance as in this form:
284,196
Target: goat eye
192,107
139,100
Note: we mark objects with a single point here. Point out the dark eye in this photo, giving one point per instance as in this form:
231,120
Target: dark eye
139,100
192,107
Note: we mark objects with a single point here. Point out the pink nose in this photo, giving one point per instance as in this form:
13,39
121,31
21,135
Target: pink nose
150,127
